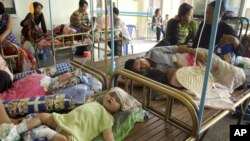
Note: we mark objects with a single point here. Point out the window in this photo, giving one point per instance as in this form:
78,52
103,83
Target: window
9,6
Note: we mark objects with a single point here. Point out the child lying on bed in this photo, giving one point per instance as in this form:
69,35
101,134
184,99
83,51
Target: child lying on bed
42,84
93,119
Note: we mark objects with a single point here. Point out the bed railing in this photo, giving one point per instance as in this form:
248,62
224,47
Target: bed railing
101,39
70,41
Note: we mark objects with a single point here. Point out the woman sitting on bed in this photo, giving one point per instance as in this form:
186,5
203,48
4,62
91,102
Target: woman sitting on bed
31,30
37,15
181,29
9,42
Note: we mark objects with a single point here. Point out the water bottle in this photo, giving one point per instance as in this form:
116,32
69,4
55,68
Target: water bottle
242,62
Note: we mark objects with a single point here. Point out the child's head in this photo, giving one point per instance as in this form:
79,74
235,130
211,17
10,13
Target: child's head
117,99
111,102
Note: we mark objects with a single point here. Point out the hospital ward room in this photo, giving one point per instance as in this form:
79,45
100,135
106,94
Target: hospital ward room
124,70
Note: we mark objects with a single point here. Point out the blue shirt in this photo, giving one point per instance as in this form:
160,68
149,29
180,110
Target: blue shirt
162,56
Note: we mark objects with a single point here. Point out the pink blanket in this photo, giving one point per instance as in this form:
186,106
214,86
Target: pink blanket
24,88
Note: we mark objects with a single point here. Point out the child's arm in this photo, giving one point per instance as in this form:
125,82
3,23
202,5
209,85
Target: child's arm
108,134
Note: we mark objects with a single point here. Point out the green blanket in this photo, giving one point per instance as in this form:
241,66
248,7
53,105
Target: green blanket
124,122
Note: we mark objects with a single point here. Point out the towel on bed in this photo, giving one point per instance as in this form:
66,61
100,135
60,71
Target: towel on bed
218,97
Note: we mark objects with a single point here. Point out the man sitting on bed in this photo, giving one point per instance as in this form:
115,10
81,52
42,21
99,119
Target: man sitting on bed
79,20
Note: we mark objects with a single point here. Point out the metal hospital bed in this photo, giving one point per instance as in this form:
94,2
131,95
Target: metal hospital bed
68,41
173,119
177,117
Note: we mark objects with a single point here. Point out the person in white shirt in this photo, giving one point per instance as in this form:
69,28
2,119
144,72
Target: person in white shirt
122,33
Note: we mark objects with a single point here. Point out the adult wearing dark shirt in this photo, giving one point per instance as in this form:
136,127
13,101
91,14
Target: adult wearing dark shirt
223,28
38,16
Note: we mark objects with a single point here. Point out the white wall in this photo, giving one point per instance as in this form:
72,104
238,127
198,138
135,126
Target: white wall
247,6
61,11
133,7
170,7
